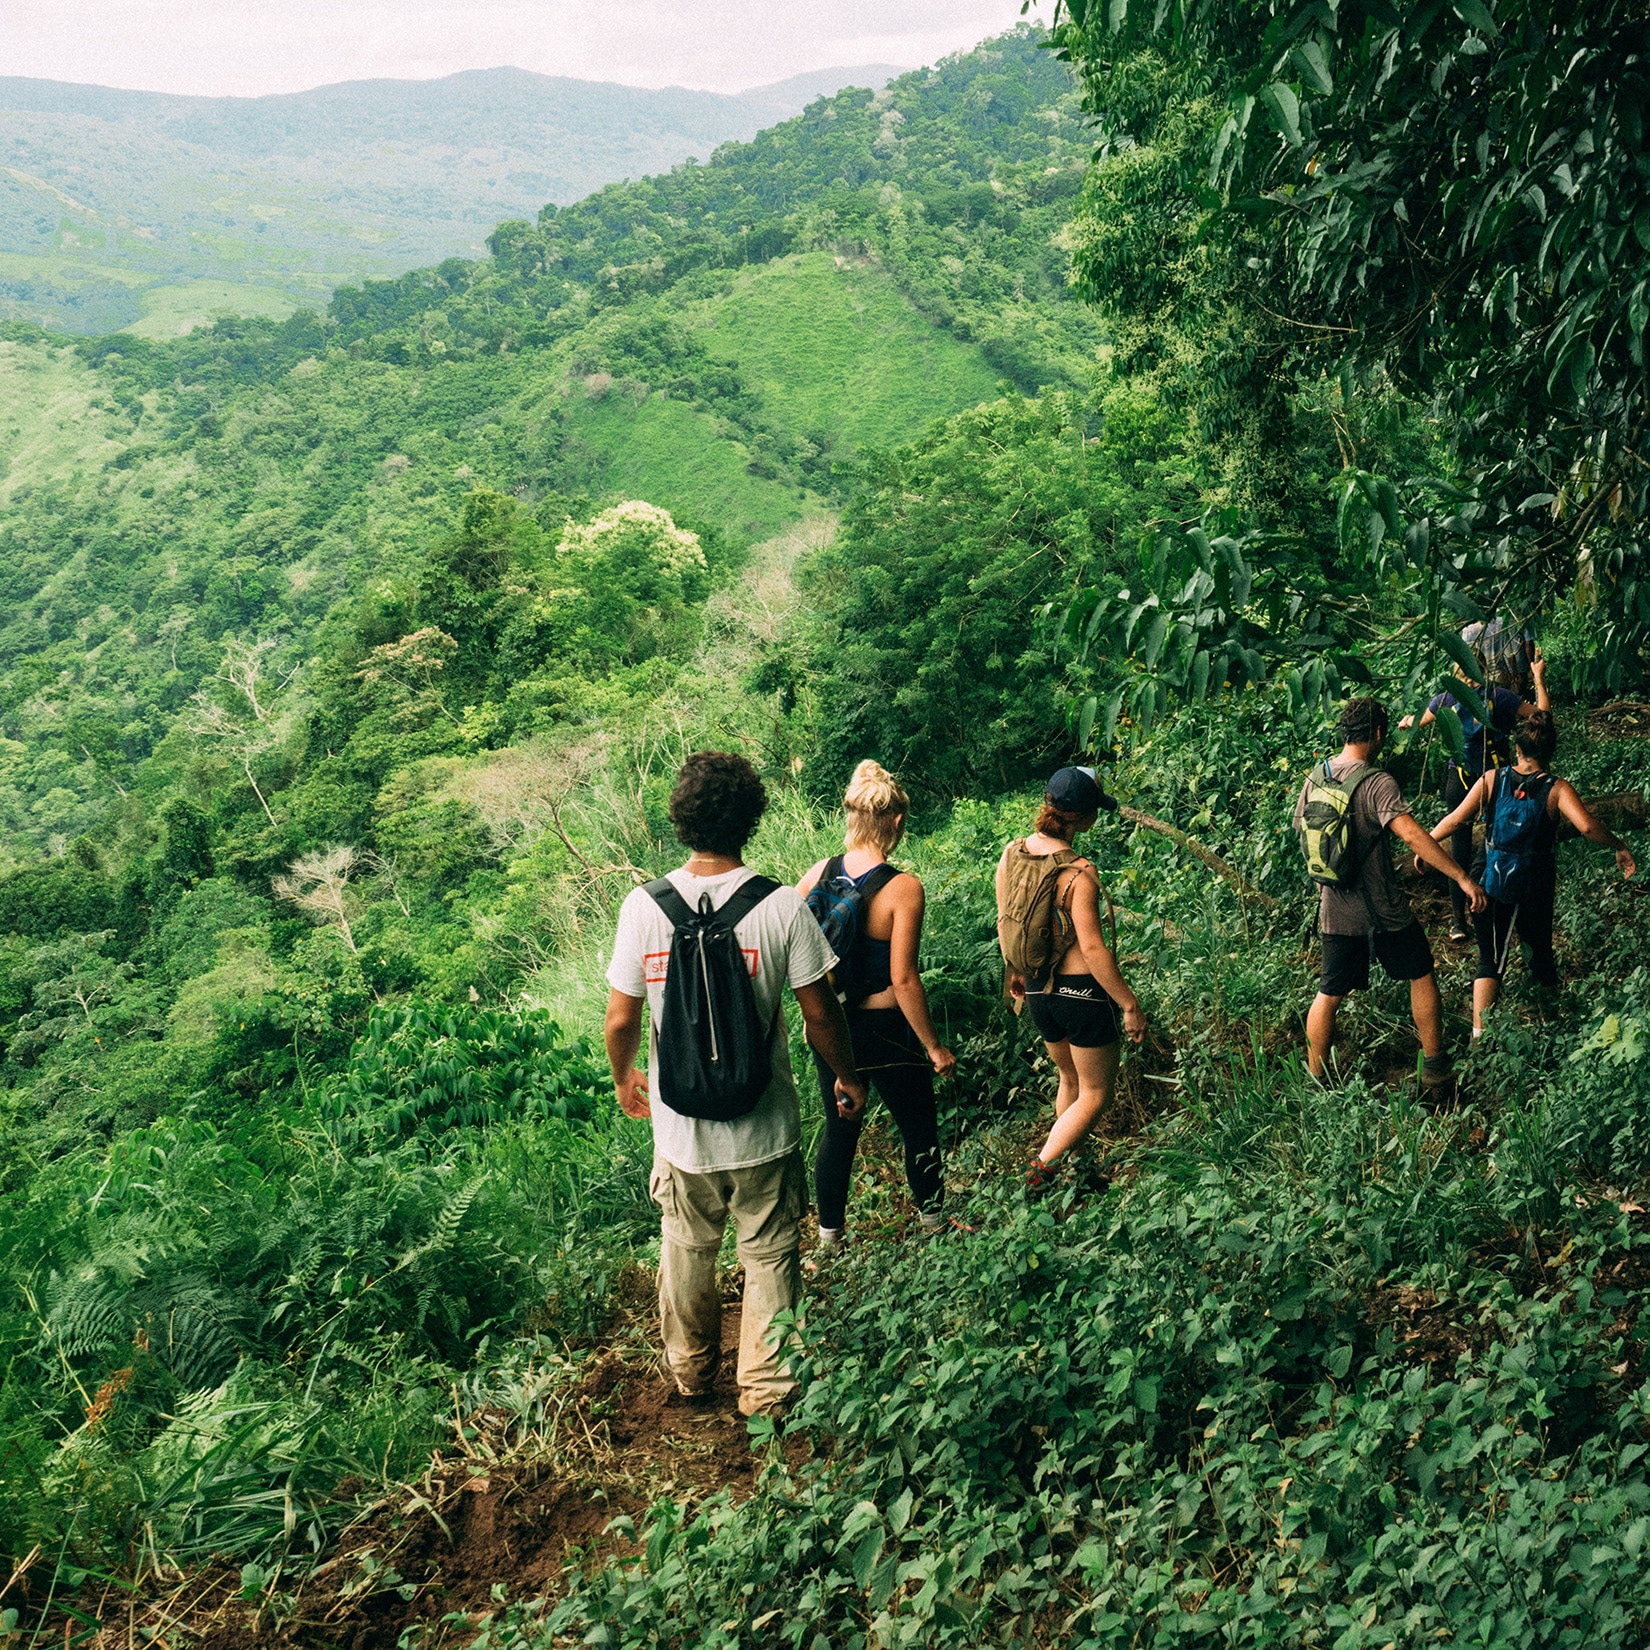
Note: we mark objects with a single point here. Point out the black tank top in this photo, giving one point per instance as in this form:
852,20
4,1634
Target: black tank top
873,959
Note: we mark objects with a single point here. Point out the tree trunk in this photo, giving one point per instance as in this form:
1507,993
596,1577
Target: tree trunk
1246,890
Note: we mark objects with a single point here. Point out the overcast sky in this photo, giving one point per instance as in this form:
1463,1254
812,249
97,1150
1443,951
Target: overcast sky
251,46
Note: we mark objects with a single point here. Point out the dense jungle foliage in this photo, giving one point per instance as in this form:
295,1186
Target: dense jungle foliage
345,663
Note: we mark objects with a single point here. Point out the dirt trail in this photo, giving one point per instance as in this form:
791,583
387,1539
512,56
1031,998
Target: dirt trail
467,1525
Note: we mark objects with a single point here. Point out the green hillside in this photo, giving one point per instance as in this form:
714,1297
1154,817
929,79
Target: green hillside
830,344
347,661
119,207
264,473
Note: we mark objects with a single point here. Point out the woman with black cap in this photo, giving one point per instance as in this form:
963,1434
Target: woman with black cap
1048,924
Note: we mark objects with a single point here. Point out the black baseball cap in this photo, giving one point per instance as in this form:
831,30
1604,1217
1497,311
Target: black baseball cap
1078,791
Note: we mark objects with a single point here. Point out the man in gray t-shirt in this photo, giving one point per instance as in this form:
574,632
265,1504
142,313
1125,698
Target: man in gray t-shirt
1374,913
748,1169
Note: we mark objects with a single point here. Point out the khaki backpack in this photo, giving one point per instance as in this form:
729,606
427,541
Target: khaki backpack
1034,926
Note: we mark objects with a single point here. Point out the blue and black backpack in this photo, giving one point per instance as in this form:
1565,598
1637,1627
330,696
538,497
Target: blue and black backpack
1517,836
839,903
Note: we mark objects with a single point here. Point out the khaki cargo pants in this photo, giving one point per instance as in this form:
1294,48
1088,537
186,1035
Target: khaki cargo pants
766,1203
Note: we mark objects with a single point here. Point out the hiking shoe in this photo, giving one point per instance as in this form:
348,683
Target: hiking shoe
1437,1074
681,1398
1040,1177
1459,934
832,1246
934,1223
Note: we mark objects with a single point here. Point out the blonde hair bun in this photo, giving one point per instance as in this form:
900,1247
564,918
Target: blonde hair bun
876,805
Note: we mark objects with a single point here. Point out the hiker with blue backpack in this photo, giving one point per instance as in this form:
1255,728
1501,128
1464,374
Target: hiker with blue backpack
710,949
1522,806
1346,815
870,913
1486,748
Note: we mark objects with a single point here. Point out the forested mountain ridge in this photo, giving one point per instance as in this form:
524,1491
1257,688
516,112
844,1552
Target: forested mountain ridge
256,474
345,667
109,196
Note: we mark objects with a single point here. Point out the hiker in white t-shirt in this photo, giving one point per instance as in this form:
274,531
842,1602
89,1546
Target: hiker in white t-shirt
750,1168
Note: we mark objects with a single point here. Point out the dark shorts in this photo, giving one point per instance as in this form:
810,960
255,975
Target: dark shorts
1404,954
1530,918
1076,1010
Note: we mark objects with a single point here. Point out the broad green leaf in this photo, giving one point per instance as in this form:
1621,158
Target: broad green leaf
1155,633
1285,109
899,1511
1314,67
1200,675
1462,654
1108,722
865,1557
1291,679
1476,15
1085,721
1117,14
1638,309
1466,695
1145,706
1386,501
1463,606
1454,736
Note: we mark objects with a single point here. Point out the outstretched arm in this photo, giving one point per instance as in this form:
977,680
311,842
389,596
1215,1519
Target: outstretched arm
1595,830
1412,836
1427,719
1538,670
1475,798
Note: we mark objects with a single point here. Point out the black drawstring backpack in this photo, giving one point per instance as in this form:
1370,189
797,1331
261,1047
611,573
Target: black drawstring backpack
714,1053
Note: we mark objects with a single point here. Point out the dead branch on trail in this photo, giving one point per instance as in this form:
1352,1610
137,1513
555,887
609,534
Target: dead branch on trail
1245,889
1626,809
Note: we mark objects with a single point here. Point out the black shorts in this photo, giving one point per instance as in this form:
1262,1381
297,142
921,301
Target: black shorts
1404,954
1075,1009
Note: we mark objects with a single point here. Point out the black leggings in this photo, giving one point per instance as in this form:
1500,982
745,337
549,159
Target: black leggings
1532,916
892,1061
1460,845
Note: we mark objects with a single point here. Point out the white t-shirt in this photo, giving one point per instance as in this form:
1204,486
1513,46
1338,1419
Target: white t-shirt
784,946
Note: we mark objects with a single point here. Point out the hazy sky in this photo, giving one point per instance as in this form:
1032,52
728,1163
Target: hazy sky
252,46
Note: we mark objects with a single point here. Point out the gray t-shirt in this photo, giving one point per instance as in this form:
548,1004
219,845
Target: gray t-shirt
1375,804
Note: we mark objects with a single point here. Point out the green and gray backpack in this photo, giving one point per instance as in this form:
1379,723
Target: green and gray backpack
1333,858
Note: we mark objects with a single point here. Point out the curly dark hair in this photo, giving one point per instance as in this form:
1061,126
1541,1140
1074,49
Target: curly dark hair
717,802
1363,720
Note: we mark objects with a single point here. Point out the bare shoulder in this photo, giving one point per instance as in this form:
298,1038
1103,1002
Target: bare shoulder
811,876
905,886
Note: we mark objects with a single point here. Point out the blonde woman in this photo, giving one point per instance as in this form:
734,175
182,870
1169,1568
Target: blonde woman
896,1048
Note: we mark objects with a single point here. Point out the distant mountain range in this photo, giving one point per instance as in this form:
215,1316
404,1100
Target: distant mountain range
110,199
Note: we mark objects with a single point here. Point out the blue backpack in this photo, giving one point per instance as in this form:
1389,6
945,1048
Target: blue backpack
839,903
1517,815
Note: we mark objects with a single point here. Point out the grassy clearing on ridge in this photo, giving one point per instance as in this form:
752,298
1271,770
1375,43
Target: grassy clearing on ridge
831,344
